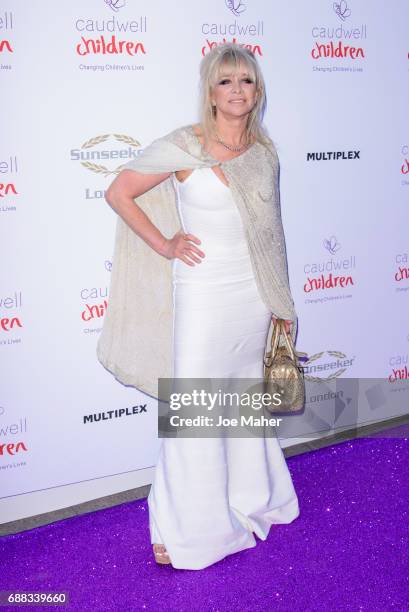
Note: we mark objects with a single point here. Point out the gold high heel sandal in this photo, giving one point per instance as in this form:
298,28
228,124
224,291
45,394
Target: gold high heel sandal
161,555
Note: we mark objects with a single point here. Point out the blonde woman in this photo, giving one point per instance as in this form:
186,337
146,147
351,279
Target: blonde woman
226,265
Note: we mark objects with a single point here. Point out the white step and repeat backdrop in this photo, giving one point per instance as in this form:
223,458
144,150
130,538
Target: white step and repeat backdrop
85,85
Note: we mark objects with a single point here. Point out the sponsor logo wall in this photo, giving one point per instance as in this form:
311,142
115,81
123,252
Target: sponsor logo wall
83,98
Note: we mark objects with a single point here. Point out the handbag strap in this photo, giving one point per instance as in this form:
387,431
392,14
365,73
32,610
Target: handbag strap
269,356
279,329
288,339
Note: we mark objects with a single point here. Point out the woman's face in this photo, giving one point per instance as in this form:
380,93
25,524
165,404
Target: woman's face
234,93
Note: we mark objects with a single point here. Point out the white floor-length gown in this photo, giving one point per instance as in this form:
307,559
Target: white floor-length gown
210,494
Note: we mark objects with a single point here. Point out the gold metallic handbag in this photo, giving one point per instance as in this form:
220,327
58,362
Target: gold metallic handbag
282,372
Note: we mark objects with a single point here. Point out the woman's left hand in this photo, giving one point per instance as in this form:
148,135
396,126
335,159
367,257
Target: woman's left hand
287,324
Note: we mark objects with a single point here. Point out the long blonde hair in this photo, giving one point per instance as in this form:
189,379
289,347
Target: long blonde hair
230,55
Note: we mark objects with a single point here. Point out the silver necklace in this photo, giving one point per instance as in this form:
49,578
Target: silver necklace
231,147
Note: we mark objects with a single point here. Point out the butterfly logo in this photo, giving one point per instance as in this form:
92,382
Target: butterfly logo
108,265
114,5
235,6
332,245
341,9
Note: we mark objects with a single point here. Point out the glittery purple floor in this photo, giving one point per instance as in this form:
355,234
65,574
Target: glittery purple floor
348,549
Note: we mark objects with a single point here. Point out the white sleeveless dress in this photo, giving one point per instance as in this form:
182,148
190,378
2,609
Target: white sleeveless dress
210,494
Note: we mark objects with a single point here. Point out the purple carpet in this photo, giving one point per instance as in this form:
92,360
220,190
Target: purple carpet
348,549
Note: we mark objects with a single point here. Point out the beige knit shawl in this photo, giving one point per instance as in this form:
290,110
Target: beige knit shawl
135,344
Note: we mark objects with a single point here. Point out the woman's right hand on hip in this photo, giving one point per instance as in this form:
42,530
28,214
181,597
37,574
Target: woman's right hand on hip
181,247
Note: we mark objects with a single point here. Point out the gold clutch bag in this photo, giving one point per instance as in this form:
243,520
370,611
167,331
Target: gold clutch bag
282,372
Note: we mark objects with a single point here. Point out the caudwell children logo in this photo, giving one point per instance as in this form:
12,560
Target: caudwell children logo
12,439
9,165
236,7
115,5
7,189
6,42
9,449
8,186
341,10
338,40
398,368
111,37
12,429
331,244
94,305
323,276
404,165
248,34
11,321
401,272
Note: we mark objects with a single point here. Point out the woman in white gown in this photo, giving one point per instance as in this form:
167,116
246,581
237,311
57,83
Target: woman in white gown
210,494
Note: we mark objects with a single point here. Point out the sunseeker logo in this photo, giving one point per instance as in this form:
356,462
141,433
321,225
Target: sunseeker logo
334,41
110,42
333,155
95,149
94,194
326,365
329,273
